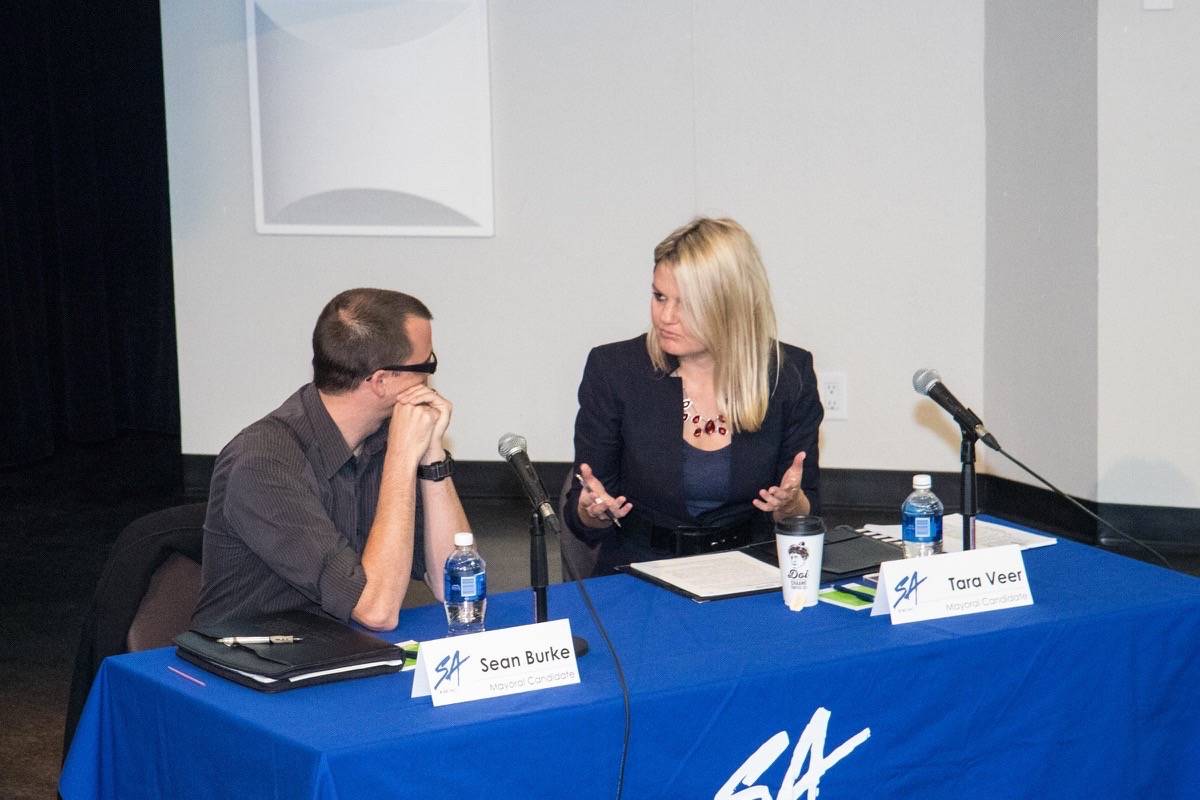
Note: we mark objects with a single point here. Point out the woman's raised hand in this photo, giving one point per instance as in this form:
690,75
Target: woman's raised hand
597,508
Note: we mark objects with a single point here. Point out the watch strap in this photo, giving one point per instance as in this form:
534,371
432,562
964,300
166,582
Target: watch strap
438,470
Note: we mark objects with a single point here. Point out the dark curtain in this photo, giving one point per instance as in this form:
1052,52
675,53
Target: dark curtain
87,331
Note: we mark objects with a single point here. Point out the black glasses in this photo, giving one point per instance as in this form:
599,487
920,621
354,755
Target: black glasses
429,367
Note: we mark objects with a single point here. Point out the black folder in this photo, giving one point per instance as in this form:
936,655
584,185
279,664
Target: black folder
328,651
847,553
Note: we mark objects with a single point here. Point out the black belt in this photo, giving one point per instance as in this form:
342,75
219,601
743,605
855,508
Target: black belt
687,540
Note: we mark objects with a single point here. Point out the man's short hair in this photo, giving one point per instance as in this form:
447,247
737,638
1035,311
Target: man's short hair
360,331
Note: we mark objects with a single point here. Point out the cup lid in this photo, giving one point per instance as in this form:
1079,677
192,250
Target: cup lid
800,526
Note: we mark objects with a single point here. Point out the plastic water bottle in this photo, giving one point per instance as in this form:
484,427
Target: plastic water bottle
921,520
466,587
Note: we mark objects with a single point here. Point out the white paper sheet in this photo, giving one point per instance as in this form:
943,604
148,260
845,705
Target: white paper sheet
987,534
713,575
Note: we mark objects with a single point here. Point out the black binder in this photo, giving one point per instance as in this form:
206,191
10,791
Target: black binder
329,651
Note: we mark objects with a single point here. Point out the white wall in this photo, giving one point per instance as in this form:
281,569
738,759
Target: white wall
847,136
1149,284
1040,351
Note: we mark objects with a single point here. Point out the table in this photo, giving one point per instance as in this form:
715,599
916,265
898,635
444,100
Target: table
1090,692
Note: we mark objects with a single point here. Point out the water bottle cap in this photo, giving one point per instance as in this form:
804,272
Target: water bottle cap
464,539
800,526
922,482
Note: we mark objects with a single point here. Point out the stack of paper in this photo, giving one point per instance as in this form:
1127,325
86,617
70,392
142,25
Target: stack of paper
987,534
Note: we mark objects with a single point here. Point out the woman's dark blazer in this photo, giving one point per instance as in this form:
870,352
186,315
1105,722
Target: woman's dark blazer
628,432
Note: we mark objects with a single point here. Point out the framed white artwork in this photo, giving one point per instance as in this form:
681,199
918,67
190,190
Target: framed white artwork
371,117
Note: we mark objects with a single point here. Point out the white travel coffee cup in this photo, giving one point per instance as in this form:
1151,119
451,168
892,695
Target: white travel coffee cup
799,543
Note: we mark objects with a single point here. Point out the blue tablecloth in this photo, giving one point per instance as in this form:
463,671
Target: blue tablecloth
1090,692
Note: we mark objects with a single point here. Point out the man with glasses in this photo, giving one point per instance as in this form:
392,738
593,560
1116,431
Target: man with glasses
332,501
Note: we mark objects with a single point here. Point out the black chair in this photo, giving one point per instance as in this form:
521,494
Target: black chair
145,596
578,557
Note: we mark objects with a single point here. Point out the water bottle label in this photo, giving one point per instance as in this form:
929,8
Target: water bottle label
466,588
923,529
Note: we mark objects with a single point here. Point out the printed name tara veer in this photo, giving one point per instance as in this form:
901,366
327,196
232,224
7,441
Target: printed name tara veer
530,657
992,578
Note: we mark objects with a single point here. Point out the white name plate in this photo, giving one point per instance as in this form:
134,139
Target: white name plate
952,584
495,663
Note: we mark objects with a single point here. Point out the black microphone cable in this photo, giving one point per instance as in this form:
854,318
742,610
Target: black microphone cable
612,650
1086,510
510,447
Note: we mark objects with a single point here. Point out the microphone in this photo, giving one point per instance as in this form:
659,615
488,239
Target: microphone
512,449
929,383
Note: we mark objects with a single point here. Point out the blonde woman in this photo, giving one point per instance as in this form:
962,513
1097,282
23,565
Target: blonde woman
694,436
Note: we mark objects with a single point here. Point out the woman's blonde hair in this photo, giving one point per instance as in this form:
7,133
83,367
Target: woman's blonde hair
726,297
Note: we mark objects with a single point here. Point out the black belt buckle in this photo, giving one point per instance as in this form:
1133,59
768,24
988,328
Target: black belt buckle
690,540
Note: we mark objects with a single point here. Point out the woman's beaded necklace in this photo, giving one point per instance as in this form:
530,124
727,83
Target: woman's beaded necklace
702,424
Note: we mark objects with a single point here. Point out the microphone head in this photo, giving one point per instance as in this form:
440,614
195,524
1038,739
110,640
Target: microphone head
510,444
924,379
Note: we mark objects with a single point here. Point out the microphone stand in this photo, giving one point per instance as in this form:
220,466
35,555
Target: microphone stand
539,574
539,577
970,495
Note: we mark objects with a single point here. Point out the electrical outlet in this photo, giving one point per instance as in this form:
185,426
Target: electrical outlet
832,388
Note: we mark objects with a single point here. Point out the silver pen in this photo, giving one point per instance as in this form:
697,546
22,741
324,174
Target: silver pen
230,641
607,512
